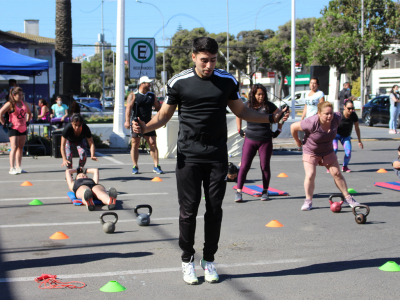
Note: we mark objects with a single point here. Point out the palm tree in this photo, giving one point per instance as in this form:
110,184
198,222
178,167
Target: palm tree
63,45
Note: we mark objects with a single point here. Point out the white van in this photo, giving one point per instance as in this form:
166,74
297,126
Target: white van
299,97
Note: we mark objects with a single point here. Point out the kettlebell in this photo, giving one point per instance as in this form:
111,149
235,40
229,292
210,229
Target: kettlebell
336,206
143,219
109,226
360,217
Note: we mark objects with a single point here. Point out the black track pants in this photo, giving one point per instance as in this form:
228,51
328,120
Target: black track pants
190,177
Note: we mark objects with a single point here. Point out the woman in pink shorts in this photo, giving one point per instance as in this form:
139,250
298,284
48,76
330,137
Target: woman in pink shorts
320,130
20,114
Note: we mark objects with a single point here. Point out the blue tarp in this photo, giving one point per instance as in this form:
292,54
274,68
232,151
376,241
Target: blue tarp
17,64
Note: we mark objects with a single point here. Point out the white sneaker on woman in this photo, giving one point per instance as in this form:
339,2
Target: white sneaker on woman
19,170
13,171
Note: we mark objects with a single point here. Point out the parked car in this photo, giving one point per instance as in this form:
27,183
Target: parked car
89,110
377,111
299,97
109,102
92,102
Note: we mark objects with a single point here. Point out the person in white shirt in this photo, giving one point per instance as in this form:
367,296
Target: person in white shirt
314,97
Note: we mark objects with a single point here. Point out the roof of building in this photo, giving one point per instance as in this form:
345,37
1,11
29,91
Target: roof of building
34,38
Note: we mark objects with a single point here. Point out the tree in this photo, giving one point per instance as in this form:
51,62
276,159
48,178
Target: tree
275,53
91,79
338,39
63,44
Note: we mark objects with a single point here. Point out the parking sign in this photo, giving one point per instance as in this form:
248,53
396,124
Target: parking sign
142,57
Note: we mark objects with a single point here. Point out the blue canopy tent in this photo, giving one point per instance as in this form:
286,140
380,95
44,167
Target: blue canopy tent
12,63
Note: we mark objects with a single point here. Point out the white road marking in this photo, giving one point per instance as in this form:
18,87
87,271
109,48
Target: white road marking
83,223
66,197
150,271
109,158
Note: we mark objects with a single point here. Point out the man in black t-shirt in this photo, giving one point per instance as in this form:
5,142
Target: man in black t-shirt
202,94
140,105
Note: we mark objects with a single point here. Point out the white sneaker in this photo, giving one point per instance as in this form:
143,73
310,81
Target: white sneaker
189,273
307,205
19,170
13,171
210,272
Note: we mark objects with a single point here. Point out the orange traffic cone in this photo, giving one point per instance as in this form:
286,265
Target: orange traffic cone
274,223
26,183
381,171
156,179
59,235
282,175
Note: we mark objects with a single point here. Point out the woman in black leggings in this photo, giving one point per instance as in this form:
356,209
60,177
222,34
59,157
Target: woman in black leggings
85,188
258,137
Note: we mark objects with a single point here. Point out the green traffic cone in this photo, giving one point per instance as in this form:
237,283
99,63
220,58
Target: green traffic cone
112,287
390,266
352,191
36,202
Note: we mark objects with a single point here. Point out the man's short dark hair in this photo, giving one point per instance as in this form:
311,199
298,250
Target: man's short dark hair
11,81
205,44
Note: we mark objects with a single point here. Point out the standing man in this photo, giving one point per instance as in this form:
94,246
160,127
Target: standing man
140,104
345,93
202,94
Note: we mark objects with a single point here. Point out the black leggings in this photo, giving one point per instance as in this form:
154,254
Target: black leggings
190,177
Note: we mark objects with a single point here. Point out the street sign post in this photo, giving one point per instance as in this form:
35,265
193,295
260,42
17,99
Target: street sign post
142,57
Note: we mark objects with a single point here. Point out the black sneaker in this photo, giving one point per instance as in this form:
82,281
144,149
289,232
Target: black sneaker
88,197
112,193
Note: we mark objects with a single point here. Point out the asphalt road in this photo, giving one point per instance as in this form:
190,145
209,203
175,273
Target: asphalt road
316,255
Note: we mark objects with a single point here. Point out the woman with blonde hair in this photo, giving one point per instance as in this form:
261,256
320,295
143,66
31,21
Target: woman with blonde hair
320,130
19,115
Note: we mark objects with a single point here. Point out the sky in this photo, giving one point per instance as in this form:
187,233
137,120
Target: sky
144,20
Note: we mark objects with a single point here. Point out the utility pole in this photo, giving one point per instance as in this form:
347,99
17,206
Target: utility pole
293,73
102,46
362,56
227,36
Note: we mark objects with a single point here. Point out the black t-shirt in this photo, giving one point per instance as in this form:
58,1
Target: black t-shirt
202,105
68,133
260,132
346,125
145,103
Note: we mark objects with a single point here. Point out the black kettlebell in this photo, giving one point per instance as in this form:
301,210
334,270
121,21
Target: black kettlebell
360,217
143,219
109,226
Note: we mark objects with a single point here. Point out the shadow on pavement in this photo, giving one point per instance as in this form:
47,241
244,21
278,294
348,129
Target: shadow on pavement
5,289
67,260
329,267
59,246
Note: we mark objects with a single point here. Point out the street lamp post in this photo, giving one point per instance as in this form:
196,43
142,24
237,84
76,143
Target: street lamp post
255,26
163,76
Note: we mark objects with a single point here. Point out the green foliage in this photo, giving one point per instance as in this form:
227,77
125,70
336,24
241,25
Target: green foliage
95,119
275,53
91,72
356,85
98,143
338,39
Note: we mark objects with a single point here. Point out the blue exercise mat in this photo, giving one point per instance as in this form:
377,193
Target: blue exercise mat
76,201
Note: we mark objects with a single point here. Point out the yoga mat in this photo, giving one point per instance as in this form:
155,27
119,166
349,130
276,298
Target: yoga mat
395,185
256,191
76,201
